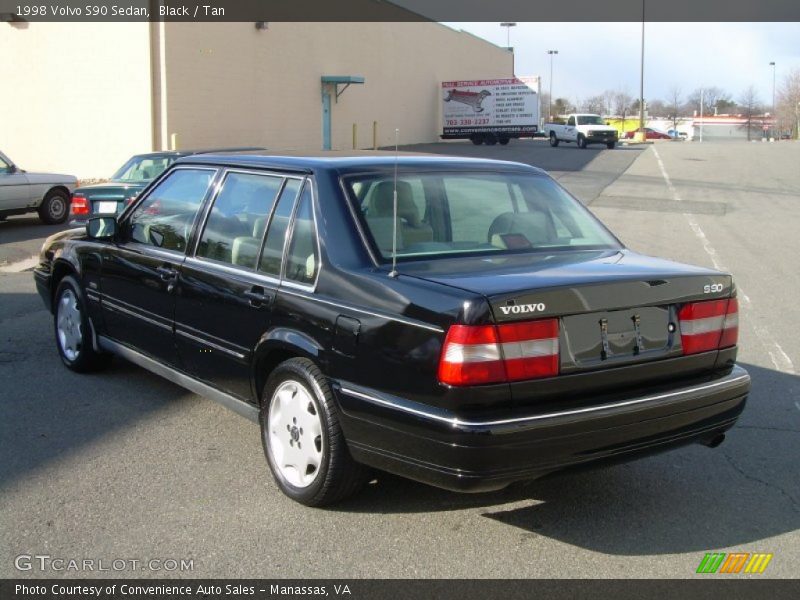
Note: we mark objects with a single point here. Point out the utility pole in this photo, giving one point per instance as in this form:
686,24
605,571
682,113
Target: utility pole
772,64
550,108
701,115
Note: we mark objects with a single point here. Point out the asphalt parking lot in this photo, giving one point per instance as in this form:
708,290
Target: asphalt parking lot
126,465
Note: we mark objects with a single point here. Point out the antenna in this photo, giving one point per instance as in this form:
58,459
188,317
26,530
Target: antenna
393,272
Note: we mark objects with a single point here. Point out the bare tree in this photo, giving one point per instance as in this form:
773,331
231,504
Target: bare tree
788,103
711,95
674,104
750,104
622,103
608,101
594,104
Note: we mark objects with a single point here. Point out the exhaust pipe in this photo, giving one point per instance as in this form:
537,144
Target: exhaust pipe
714,441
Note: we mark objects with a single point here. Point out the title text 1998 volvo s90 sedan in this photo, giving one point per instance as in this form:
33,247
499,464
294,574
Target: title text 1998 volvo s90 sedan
514,337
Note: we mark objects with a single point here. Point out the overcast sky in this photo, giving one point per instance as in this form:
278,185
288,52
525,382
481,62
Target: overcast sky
593,57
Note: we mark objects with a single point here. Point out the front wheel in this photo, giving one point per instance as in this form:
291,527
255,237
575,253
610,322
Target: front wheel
504,140
54,207
581,141
302,438
73,331
553,139
611,145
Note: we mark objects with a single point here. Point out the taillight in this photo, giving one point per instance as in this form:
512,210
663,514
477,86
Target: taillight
709,325
79,205
481,354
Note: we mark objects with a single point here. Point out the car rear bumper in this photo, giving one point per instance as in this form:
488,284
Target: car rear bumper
438,447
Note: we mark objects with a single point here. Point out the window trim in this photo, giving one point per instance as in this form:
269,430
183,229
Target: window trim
290,234
207,208
124,219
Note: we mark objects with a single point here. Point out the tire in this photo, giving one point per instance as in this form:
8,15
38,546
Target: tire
476,139
55,207
298,407
611,145
553,139
581,141
72,330
504,140
490,139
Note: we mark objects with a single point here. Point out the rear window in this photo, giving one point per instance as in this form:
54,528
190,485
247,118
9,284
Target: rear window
445,214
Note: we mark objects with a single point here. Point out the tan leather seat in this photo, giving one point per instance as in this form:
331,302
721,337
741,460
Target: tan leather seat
535,226
412,229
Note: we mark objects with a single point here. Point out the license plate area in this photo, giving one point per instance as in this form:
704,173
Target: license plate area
105,207
606,338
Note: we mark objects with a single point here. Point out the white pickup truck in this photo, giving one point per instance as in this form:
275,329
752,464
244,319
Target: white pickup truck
583,129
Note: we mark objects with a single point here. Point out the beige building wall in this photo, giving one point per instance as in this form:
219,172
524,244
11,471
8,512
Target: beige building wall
75,97
230,84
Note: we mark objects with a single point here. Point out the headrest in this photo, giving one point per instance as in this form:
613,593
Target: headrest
383,201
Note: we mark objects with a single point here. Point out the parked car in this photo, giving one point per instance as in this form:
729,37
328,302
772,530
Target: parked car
465,323
109,198
677,135
583,129
650,134
23,192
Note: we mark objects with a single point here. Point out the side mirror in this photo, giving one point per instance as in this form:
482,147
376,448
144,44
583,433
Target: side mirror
101,228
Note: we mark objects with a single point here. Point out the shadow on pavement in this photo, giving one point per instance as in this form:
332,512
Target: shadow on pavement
689,499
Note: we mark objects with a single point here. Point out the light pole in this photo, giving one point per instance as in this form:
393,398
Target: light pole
772,64
641,133
550,107
508,27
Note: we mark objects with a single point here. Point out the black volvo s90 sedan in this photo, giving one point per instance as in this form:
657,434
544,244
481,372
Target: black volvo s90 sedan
465,323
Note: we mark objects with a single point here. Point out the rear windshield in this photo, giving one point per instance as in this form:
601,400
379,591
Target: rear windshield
143,168
446,214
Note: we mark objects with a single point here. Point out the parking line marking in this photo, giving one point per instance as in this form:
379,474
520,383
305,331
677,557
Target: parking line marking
20,265
777,355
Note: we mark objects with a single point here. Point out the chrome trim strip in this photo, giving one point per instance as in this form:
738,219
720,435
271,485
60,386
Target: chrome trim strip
354,308
205,342
114,306
736,377
238,406
245,274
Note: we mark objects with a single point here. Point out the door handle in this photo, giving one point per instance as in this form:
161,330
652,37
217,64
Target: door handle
258,296
167,273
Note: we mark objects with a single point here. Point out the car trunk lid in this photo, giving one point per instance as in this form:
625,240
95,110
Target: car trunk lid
615,308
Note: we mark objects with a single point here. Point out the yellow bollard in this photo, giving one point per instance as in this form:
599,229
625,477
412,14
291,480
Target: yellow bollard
173,141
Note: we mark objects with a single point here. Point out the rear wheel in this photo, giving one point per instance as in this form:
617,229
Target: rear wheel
302,438
490,139
553,139
73,331
504,139
610,145
476,139
581,141
55,207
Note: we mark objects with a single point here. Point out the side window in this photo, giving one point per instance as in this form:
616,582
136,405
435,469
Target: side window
302,261
571,121
4,166
164,219
471,215
236,223
276,235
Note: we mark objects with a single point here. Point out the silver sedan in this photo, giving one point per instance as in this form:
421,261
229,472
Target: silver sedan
22,192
